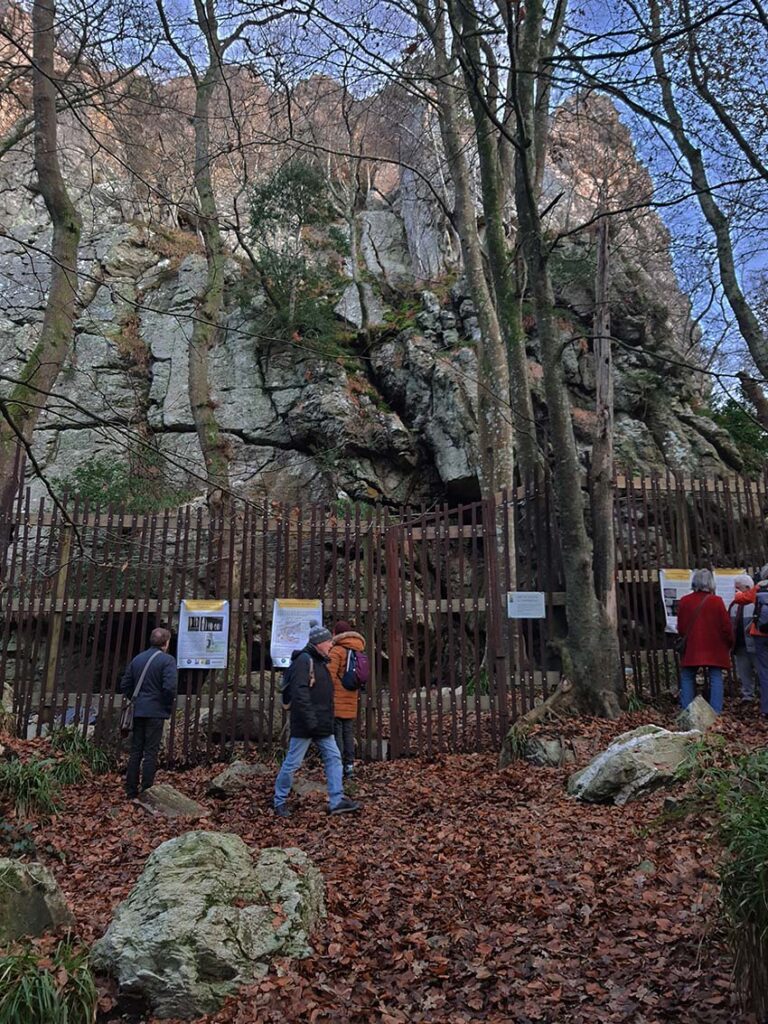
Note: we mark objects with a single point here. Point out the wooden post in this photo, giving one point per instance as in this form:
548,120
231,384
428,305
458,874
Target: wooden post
395,639
498,670
57,614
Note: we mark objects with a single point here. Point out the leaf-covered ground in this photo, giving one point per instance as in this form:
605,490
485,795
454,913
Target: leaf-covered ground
459,894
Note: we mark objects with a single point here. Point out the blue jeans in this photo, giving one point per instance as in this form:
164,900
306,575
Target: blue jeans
297,751
761,657
688,687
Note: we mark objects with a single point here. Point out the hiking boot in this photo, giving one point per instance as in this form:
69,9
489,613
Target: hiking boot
349,770
283,811
345,806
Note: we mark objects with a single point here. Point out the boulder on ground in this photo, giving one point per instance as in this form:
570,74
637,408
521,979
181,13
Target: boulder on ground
236,777
698,715
635,763
548,752
238,722
205,917
169,802
31,902
309,787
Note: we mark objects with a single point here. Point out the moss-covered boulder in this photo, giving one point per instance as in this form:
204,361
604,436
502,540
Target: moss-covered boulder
31,902
205,917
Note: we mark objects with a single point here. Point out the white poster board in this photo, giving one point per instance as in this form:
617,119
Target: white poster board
526,604
290,627
676,583
203,634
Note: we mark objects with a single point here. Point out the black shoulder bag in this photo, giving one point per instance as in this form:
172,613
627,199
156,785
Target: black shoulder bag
681,642
126,715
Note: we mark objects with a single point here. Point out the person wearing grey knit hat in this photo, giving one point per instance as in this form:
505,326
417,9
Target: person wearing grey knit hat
318,634
308,687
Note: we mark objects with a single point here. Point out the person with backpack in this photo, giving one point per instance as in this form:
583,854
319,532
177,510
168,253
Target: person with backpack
349,670
308,693
757,596
744,658
705,629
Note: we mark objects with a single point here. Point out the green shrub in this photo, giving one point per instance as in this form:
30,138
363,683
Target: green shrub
70,740
30,787
133,484
740,796
67,770
739,418
57,989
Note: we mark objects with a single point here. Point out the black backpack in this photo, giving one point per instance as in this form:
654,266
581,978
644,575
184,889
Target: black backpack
760,615
284,684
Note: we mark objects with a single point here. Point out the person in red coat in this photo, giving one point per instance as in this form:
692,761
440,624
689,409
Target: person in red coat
703,620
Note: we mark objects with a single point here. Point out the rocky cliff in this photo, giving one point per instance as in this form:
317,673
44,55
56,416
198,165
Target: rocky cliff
390,414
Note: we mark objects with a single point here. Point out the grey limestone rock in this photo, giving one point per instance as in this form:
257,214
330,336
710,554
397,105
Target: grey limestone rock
636,763
698,715
31,902
237,777
205,917
164,800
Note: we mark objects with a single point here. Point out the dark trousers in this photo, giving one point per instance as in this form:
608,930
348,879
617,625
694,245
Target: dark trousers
145,744
344,730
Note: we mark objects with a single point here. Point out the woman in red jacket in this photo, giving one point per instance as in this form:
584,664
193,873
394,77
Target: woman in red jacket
703,620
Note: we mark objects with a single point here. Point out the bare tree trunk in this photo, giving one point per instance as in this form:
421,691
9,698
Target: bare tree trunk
495,428
354,259
39,375
592,646
508,297
211,301
603,538
755,394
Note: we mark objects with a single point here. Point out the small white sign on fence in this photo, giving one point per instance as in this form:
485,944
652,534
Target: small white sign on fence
526,604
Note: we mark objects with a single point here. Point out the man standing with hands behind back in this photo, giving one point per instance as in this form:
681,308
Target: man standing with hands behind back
153,704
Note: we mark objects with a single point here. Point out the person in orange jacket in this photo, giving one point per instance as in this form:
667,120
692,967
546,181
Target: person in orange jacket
345,702
758,631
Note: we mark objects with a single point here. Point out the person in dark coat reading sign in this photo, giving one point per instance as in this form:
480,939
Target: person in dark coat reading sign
152,706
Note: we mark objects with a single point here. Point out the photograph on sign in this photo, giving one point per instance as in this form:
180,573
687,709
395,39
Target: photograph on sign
203,634
290,627
526,604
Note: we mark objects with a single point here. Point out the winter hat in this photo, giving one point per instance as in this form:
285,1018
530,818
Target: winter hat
342,627
318,634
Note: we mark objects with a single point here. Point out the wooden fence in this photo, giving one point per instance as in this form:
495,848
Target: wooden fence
82,589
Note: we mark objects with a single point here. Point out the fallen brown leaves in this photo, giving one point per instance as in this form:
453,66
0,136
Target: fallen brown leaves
459,894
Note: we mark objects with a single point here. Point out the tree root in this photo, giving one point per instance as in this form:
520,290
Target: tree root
560,702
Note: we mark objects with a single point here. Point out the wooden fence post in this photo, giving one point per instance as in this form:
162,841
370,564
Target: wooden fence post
394,638
57,616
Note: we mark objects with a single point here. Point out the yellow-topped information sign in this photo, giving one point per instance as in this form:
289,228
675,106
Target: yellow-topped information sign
676,583
290,627
203,634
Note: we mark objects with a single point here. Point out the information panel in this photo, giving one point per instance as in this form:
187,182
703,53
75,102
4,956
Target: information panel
203,634
526,604
676,583
290,627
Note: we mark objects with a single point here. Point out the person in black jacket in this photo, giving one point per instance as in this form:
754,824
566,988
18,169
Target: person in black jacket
152,706
310,691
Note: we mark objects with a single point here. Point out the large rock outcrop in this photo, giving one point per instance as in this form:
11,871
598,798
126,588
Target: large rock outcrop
205,917
327,416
